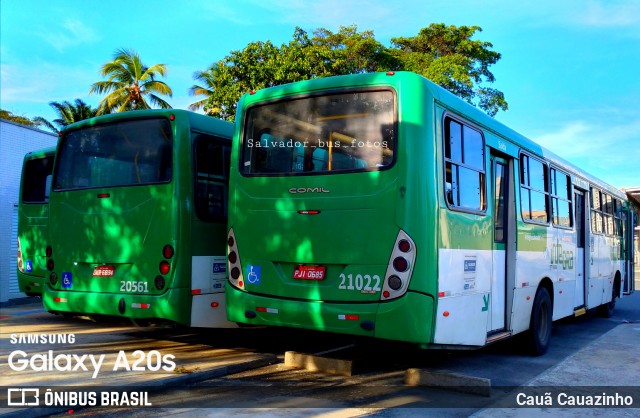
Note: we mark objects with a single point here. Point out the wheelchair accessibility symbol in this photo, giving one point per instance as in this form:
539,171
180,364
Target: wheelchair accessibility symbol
253,274
67,280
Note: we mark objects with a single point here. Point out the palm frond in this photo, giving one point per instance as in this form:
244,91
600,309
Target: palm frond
157,101
195,106
157,87
40,121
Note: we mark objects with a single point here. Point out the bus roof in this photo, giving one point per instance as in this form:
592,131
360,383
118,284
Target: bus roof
195,119
39,153
442,96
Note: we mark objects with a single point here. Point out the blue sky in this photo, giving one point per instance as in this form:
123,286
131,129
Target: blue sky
570,69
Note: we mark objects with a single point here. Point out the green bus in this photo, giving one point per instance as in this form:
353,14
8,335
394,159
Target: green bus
138,214
381,205
33,220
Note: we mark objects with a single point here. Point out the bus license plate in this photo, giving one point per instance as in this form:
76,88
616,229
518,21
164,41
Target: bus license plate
104,271
309,272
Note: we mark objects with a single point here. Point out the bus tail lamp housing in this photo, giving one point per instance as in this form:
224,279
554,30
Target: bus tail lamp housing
399,268
233,262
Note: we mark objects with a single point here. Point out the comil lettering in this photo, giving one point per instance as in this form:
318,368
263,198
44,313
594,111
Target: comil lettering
300,190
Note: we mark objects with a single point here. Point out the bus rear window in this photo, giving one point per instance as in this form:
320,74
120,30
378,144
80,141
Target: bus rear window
324,134
36,180
127,153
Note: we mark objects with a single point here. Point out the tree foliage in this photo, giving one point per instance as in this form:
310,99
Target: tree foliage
68,113
22,120
130,84
445,54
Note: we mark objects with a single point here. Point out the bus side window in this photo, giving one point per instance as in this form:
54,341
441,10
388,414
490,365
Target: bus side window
464,166
534,189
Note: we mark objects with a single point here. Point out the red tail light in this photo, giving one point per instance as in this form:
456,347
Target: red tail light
168,251
49,251
165,267
400,264
404,246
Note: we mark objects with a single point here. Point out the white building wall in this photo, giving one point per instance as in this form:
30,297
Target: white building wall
15,141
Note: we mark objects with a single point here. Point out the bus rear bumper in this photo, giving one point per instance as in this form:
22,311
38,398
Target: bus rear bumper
409,318
30,285
173,305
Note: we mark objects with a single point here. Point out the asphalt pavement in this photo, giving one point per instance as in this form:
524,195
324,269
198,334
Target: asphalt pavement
106,357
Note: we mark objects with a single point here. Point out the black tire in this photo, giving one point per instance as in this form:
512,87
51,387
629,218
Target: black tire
606,310
541,323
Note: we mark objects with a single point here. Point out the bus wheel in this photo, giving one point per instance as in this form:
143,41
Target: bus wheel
541,322
606,310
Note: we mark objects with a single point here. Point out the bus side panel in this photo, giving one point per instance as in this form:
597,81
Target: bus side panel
208,308
465,282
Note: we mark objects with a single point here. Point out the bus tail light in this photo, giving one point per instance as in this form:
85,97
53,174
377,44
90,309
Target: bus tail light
20,262
164,267
233,262
48,251
168,251
400,267
159,282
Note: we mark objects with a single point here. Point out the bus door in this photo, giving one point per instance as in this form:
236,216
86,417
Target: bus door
503,250
628,226
580,221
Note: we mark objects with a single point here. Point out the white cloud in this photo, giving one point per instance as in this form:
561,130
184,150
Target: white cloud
73,32
330,14
610,14
607,149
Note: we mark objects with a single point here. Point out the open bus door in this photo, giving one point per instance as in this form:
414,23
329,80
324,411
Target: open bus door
629,227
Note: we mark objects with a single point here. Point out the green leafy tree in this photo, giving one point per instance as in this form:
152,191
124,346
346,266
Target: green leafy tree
449,57
68,113
131,85
445,54
22,120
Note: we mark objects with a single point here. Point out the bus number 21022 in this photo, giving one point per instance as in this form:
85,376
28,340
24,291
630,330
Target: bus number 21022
365,284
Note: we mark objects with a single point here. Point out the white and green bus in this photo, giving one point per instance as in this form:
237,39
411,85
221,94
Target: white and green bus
381,205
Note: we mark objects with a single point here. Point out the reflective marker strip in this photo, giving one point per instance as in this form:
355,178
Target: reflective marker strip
63,300
348,317
267,310
141,305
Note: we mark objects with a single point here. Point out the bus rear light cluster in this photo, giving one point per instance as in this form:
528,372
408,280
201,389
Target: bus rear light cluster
400,267
165,266
233,262
20,261
53,278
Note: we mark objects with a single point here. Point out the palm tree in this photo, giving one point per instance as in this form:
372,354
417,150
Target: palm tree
68,113
208,79
131,85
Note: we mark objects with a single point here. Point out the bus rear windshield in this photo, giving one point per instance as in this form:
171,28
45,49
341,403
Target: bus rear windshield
345,132
125,153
